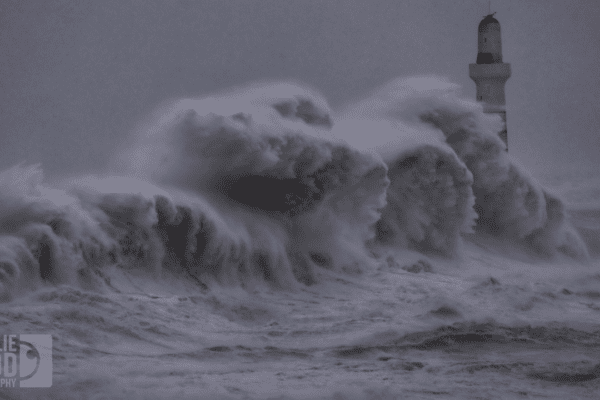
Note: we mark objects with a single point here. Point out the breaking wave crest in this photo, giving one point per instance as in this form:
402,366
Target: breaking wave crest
267,184
508,202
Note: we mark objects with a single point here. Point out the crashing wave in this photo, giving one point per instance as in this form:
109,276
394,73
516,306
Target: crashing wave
267,184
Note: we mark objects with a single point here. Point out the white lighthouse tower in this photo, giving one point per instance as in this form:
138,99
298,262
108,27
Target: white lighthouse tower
489,72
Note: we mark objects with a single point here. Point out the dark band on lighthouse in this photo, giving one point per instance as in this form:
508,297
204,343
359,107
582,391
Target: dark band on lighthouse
489,72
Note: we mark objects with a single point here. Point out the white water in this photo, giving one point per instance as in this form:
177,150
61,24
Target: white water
248,246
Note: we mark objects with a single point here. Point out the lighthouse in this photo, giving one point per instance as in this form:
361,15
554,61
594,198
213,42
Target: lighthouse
489,72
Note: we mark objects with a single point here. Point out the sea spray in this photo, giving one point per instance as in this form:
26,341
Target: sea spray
430,201
236,198
267,162
430,198
509,203
265,184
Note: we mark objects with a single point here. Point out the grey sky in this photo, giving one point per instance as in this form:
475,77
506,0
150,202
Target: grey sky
75,76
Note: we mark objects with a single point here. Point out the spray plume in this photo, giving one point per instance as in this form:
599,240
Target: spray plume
266,184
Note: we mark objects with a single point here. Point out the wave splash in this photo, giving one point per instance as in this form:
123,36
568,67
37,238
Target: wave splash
268,184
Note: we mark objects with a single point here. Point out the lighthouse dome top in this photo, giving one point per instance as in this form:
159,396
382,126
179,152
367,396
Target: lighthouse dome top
488,22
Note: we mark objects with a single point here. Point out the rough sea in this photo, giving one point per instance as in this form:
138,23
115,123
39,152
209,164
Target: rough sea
249,245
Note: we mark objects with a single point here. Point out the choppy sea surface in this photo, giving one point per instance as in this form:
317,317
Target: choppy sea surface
249,245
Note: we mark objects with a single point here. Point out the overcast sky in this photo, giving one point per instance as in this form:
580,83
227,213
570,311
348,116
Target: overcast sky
75,76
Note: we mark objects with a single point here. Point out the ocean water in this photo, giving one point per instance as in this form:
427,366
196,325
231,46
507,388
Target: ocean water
251,244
